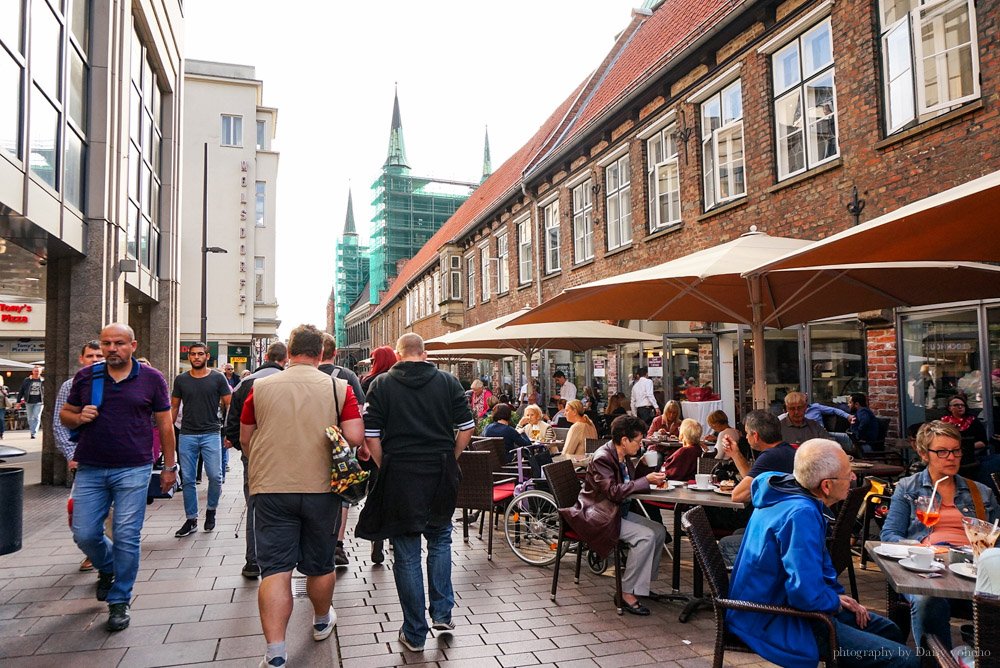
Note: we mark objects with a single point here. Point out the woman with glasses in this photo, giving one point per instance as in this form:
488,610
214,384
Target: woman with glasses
939,444
970,427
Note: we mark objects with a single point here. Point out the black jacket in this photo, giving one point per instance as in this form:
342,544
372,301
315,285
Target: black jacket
417,484
348,375
231,430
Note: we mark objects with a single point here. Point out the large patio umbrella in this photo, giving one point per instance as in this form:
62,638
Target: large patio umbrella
722,284
11,365
960,223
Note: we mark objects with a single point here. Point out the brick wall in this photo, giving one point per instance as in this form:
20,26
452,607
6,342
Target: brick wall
883,376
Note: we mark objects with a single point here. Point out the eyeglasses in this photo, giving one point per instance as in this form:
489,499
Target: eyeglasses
945,454
956,405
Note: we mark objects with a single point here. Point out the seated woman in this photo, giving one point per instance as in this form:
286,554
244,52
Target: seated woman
939,445
601,515
580,430
970,427
559,419
682,464
478,399
669,423
534,426
500,428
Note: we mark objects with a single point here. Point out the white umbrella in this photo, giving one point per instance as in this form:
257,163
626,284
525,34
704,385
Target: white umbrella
11,365
725,283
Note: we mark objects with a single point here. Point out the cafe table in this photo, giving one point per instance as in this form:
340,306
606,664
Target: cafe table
905,581
863,469
684,498
11,451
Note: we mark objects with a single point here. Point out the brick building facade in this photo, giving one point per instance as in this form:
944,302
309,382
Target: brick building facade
707,117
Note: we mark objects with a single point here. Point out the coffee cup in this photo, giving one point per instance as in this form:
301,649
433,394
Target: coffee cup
651,458
922,557
703,480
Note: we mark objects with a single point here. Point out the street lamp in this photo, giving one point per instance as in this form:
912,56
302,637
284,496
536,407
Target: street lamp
205,250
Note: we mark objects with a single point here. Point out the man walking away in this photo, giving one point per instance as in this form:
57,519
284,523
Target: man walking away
276,355
30,397
201,389
413,413
89,354
283,433
335,370
643,400
114,456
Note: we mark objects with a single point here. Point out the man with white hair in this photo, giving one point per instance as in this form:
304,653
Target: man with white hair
783,560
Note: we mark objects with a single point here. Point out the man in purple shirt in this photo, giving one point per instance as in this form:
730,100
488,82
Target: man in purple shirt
114,456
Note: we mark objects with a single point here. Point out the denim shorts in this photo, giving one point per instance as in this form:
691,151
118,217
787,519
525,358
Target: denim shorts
296,531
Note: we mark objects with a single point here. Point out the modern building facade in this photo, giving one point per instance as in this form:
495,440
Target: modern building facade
89,181
352,267
409,209
223,111
707,117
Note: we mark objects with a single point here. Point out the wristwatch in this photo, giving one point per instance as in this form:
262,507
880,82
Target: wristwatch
170,469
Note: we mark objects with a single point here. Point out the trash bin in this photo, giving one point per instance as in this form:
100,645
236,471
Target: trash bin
12,503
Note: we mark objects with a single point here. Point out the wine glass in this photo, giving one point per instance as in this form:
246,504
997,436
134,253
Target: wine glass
929,510
982,535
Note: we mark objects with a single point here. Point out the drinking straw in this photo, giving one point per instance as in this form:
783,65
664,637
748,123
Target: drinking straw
930,503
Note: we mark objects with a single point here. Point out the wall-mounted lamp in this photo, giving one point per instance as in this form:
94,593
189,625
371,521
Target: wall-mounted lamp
856,205
682,134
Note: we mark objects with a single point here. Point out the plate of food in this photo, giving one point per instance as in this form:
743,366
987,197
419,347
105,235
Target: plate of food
726,487
963,569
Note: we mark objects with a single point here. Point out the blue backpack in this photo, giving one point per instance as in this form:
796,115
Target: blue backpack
96,394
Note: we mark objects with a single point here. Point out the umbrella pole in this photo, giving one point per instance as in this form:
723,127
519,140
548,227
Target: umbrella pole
757,337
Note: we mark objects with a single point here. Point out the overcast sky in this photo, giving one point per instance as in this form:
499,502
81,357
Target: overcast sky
330,72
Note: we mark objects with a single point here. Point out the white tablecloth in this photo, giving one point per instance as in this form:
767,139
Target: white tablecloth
699,411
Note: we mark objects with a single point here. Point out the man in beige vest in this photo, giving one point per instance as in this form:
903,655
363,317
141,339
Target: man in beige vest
282,429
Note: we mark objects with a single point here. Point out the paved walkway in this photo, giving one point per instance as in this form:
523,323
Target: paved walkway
192,606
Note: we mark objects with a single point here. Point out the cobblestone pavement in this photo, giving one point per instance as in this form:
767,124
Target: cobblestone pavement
192,607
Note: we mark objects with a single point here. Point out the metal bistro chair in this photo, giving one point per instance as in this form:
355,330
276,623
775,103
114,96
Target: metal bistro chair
476,491
839,542
592,444
565,487
706,551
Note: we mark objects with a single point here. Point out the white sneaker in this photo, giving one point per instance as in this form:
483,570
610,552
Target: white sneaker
323,631
443,626
408,645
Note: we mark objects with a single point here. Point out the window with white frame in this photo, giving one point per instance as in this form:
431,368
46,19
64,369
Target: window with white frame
232,130
261,135
551,216
805,102
409,308
259,203
258,280
437,291
484,269
583,223
618,202
503,271
722,145
455,277
663,179
428,295
470,274
930,58
524,258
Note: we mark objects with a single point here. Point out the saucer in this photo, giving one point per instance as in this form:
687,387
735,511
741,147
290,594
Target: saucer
964,569
909,565
719,490
695,487
890,551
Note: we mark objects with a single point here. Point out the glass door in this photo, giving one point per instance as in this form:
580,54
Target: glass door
689,361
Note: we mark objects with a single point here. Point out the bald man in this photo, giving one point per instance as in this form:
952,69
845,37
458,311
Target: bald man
114,456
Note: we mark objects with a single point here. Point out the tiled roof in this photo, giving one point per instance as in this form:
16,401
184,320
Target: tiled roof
641,50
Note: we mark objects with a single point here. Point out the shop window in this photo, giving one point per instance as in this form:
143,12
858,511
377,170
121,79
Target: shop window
837,356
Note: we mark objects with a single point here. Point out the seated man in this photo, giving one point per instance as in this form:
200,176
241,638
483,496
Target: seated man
784,561
796,428
864,425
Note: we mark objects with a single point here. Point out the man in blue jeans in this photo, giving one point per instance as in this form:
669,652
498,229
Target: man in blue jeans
30,397
416,425
200,390
784,561
114,456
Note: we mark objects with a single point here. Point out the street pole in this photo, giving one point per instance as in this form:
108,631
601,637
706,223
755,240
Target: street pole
204,251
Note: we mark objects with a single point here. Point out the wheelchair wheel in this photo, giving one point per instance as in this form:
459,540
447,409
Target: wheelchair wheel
596,564
531,525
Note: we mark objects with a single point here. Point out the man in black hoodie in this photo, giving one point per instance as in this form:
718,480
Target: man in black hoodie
277,354
413,413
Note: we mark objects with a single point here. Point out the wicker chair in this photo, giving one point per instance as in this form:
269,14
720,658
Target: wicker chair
986,621
593,444
706,464
476,491
706,551
565,487
839,543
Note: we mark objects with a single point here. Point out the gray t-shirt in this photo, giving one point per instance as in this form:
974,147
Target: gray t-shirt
201,397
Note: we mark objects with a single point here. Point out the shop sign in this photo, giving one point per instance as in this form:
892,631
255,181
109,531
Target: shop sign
238,351
599,368
655,366
213,350
950,346
237,360
534,369
24,346
22,315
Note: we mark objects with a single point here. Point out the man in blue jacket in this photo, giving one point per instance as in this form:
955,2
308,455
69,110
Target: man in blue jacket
783,560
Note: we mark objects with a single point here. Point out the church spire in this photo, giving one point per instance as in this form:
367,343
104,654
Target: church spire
487,165
349,220
397,149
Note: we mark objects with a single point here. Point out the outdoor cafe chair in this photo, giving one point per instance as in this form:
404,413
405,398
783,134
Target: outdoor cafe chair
839,542
477,491
709,557
565,486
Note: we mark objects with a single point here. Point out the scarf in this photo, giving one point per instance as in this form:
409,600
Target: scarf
963,424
